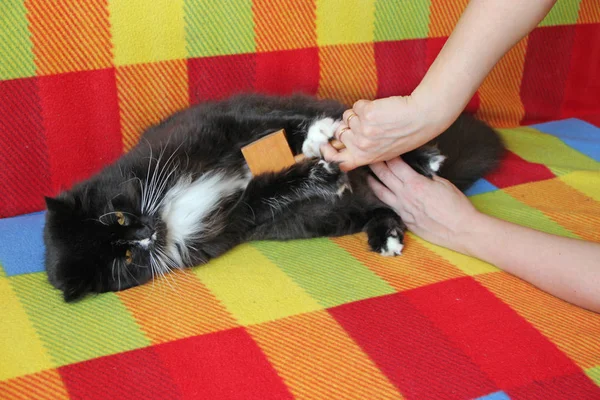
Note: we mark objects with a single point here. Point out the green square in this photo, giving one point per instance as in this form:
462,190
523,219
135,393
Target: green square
564,12
16,57
503,206
325,271
219,27
594,374
399,20
541,148
94,327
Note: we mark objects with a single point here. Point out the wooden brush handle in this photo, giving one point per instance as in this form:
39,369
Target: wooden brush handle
335,143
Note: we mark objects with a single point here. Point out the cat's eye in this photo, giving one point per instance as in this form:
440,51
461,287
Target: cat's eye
128,257
120,217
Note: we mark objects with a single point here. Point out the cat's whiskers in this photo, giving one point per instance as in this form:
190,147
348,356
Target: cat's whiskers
112,212
167,263
119,276
144,187
160,181
151,184
130,274
156,205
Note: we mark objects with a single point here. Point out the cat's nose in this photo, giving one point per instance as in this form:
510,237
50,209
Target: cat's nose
144,232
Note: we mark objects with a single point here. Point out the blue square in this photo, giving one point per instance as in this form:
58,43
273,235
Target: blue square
22,244
578,134
479,187
495,396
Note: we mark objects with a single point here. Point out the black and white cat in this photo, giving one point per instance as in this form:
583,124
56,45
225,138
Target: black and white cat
184,194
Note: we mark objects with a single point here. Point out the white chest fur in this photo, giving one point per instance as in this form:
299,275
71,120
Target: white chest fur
188,203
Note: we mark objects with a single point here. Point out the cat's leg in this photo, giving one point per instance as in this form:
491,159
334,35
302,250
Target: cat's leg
385,232
270,194
426,160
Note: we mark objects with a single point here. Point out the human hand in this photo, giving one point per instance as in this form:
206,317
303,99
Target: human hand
385,128
434,209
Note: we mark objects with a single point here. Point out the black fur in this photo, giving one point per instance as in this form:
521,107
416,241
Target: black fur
86,247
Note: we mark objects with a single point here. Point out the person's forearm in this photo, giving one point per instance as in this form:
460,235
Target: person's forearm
566,268
486,31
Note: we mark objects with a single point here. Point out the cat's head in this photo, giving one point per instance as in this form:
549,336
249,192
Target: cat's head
98,239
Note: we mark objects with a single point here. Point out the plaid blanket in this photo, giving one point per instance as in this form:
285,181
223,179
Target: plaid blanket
325,318
79,80
321,318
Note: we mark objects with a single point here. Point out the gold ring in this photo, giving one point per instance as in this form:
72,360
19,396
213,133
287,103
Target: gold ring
349,118
347,128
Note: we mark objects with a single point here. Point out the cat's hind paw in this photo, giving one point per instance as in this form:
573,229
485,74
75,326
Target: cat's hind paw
389,244
319,133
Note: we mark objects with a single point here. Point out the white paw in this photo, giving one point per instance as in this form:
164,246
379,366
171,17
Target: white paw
319,133
393,247
435,163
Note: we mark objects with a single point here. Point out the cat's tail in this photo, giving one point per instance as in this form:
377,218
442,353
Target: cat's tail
472,149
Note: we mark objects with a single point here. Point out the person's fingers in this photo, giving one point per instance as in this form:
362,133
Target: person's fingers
359,107
350,118
341,131
386,176
383,193
329,152
342,157
401,169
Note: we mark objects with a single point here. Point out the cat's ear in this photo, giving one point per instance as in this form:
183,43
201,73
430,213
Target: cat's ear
57,205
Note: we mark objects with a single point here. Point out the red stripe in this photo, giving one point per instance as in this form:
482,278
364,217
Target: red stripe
222,365
81,115
400,66
414,354
24,171
505,346
218,77
514,171
547,64
582,91
288,71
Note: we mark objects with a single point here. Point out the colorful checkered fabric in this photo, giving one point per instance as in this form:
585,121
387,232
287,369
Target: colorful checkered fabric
322,318
325,318
79,80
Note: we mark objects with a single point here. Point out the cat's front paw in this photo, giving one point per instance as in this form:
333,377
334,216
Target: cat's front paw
319,133
330,176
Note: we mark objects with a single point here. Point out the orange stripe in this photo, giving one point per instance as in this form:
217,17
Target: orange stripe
348,72
317,359
148,93
183,308
499,95
574,330
589,12
563,204
444,15
416,267
42,385
284,24
69,36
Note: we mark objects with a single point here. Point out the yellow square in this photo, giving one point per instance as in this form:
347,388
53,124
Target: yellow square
147,32
587,182
21,349
252,288
469,265
345,22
